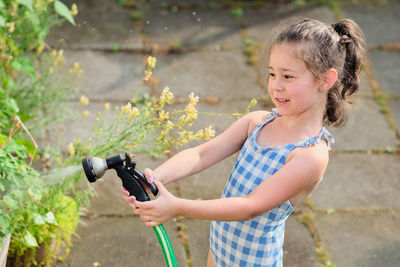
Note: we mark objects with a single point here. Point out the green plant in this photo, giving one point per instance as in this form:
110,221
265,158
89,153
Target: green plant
35,213
28,73
31,91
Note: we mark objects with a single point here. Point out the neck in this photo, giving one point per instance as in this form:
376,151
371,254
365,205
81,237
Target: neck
308,122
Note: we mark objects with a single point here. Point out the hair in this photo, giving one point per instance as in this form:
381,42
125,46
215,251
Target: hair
340,46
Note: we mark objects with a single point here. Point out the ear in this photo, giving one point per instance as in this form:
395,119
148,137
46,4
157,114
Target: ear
329,79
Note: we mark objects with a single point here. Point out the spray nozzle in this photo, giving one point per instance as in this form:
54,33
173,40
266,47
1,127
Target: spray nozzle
95,168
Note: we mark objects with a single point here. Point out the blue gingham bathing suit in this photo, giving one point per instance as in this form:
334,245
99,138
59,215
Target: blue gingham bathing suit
259,241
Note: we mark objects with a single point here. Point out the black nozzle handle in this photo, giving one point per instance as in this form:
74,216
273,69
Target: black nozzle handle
140,176
131,184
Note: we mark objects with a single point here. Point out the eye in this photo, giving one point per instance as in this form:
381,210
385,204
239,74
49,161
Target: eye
272,75
288,77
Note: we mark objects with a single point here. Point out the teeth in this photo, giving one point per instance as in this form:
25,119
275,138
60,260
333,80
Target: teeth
282,100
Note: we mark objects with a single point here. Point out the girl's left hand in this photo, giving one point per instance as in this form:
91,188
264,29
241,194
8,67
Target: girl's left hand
157,211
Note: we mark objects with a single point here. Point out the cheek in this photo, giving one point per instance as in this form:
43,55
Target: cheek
269,87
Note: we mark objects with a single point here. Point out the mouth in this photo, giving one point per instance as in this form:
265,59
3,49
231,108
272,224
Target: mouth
282,100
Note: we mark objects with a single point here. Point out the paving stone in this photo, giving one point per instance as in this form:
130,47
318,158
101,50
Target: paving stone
221,74
394,106
123,241
361,239
379,22
105,25
360,181
263,24
386,69
198,232
186,2
109,76
191,28
366,128
299,247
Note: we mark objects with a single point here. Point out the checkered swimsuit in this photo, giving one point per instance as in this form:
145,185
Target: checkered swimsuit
259,241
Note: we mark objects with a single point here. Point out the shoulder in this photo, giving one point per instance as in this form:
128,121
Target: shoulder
255,118
313,159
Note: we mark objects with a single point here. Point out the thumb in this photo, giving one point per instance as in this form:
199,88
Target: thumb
161,188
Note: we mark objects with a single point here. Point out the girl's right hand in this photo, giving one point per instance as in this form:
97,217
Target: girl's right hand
148,173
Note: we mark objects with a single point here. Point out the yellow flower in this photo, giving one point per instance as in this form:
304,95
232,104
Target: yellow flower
169,126
193,99
71,149
133,113
151,62
127,108
11,26
86,113
166,96
84,100
163,115
107,107
74,10
210,132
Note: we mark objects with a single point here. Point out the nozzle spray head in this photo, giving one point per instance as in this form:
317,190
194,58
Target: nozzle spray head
95,167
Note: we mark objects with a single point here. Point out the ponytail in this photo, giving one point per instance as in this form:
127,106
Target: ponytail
352,40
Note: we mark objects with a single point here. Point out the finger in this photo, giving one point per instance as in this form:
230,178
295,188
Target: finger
151,223
148,173
135,209
132,199
145,205
124,191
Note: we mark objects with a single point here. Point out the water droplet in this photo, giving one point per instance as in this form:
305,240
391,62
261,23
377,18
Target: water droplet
130,30
198,19
194,13
165,28
147,21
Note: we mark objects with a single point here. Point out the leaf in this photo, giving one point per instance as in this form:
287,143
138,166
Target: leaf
63,11
13,105
24,64
50,218
30,240
27,3
330,211
38,219
13,204
35,194
2,21
2,5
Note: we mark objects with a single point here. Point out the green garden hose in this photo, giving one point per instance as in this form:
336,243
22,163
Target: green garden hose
166,246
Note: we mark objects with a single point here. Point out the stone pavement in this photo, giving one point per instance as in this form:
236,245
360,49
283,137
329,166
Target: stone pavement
352,219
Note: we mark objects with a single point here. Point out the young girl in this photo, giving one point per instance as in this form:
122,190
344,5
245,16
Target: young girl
283,154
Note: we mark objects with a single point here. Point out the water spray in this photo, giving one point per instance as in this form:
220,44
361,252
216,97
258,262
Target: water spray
132,180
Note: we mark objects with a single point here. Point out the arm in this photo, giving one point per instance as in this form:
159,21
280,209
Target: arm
303,171
196,159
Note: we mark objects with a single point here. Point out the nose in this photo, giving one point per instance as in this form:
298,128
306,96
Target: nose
277,84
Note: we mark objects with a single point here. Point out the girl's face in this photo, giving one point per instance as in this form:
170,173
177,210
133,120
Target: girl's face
291,85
